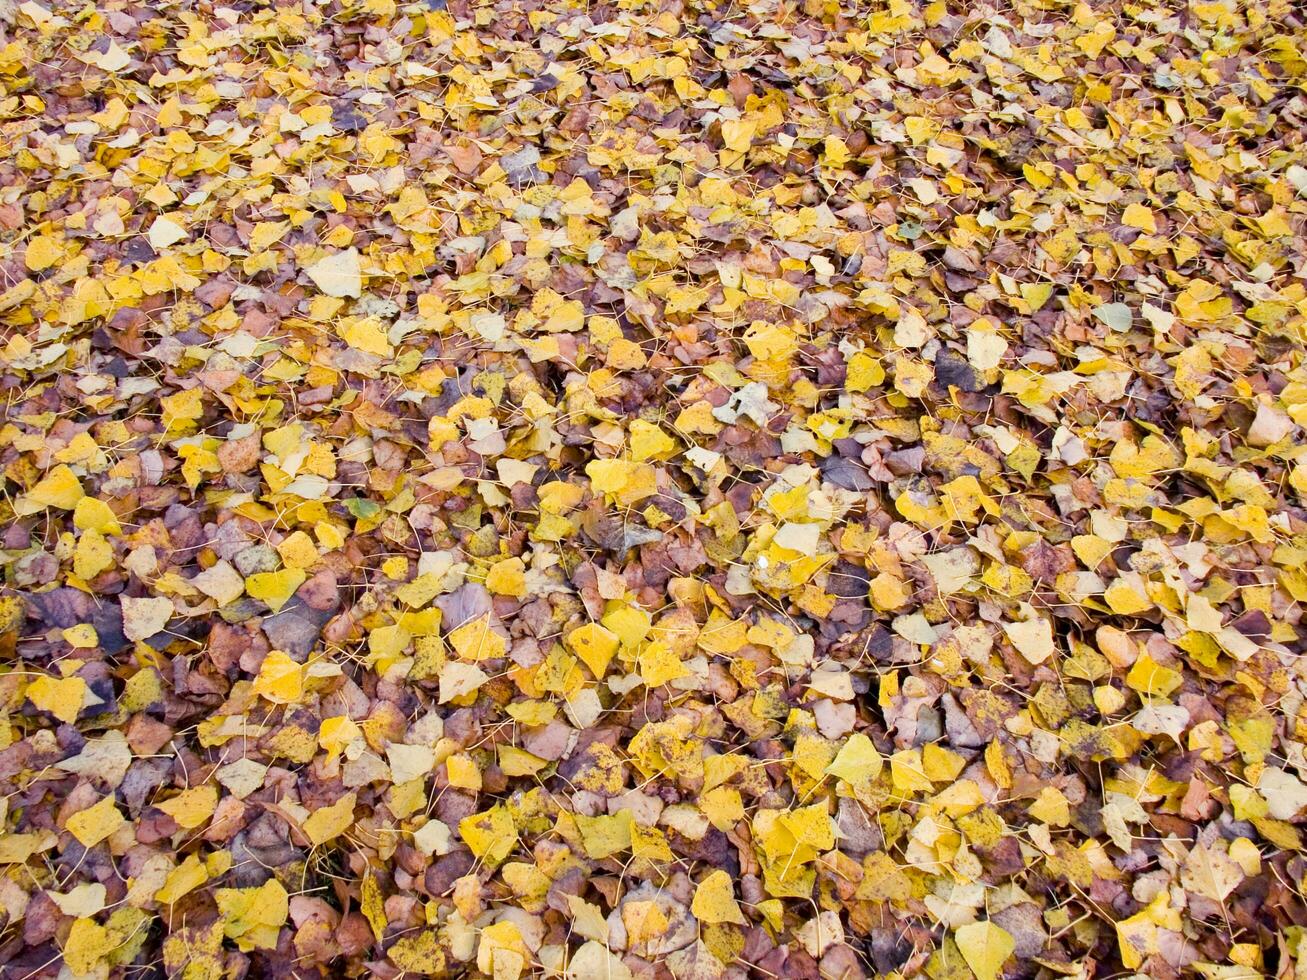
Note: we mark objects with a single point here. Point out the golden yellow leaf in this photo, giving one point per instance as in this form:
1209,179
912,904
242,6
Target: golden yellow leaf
476,640
191,807
275,588
985,946
95,823
714,900
329,822
59,488
42,252
595,645
62,697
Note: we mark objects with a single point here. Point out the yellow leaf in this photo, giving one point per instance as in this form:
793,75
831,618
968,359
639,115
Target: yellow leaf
275,588
723,807
366,334
648,441
266,233
94,554
595,645
1125,599
660,665
191,807
857,760
419,954
920,129
94,824
87,945
501,951
1051,807
433,837
986,947
604,835
280,680
490,835
770,342
889,592
644,920
298,551
387,643
59,488
181,410
883,880
836,151
723,636
82,448
92,514
373,906
253,916
567,318
461,772
1211,873
518,762
737,134
458,679
1036,294
82,636
42,252
625,355
864,371
941,765
507,577
1149,677
113,59
337,732
997,765
811,825
183,879
532,712
960,798
907,774
609,475
714,900
330,822
475,640
1137,936
62,697
1138,216
630,624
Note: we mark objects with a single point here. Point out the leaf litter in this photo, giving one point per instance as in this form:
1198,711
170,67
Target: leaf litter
650,489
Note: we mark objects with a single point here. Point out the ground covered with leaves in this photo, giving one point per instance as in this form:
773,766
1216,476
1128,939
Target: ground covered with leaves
650,490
